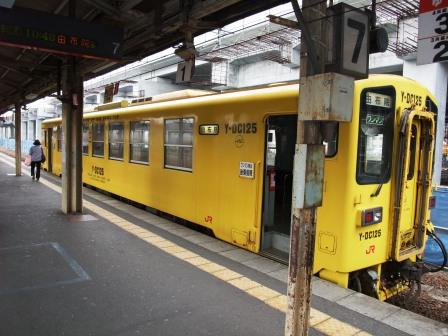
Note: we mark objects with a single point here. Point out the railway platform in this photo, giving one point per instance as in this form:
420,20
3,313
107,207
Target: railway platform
120,270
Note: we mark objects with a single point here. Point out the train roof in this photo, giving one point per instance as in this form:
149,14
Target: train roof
275,91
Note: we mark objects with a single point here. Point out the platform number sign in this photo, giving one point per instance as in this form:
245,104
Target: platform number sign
185,71
432,32
351,38
355,56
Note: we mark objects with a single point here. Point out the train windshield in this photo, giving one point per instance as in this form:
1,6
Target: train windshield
375,135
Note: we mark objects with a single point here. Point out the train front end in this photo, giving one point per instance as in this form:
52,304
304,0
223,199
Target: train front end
382,214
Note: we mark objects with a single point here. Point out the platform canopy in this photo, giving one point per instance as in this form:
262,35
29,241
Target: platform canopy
29,70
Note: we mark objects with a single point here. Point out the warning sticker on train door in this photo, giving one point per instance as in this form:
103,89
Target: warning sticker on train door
247,169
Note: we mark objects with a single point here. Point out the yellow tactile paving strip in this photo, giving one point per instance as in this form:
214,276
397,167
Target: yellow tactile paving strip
318,320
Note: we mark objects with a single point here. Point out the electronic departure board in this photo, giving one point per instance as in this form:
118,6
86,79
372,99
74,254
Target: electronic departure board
32,29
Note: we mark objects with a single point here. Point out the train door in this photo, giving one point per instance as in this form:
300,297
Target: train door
48,136
277,194
413,183
44,145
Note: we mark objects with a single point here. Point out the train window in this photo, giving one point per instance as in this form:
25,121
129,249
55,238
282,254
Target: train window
85,139
98,139
139,141
116,140
179,143
413,146
60,138
431,106
375,140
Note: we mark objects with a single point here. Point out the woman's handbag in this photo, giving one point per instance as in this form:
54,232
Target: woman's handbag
28,160
43,156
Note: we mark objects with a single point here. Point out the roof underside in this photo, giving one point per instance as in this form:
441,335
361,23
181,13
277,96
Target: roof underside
149,25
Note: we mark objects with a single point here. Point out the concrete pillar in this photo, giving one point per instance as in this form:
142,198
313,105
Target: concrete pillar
18,138
72,110
435,77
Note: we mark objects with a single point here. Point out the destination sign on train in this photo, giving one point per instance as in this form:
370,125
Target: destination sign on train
377,99
25,28
209,129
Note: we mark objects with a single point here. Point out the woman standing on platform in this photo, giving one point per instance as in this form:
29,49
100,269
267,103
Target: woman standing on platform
37,157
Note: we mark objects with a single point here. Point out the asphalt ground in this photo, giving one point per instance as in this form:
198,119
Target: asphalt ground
85,275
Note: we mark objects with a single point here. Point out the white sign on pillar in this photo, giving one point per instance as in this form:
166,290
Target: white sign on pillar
432,32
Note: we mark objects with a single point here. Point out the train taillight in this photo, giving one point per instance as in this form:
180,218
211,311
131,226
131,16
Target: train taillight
371,216
432,202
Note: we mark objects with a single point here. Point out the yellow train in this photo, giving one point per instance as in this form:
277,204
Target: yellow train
225,162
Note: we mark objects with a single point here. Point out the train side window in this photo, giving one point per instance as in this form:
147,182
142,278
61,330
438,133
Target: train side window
98,140
375,139
179,143
431,106
85,139
116,140
139,141
60,138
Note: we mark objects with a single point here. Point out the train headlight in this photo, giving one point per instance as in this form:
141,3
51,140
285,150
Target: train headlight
371,216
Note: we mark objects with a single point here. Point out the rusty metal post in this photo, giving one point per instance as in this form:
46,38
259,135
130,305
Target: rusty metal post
308,166
18,139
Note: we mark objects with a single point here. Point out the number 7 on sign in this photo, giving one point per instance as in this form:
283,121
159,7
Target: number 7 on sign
361,28
351,37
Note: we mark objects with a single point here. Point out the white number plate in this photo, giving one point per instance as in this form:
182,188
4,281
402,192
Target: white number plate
432,32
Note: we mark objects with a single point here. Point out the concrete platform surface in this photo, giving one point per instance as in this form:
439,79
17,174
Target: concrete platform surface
118,270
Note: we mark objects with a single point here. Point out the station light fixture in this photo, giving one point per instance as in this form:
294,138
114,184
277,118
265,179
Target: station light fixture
379,40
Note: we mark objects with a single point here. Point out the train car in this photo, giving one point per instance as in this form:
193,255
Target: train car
225,161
